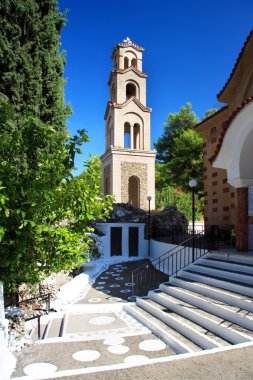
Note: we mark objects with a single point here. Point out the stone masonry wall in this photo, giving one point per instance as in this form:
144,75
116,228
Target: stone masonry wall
129,169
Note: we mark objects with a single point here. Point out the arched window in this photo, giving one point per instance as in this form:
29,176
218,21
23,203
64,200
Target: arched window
136,136
130,90
127,137
126,62
134,62
134,191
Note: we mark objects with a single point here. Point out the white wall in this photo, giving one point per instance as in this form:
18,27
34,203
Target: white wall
167,263
105,228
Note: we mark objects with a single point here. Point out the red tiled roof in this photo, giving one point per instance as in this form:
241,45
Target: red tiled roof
236,64
225,127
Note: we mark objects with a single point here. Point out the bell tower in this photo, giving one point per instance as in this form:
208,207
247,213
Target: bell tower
128,164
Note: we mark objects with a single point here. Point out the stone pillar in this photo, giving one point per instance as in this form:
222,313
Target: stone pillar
132,137
242,219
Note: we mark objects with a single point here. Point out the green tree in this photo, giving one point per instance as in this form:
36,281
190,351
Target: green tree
44,215
175,125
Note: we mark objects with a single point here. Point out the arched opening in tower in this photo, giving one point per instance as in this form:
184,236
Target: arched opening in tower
134,62
126,62
134,191
130,90
127,138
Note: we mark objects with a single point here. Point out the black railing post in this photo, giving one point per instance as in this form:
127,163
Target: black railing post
39,327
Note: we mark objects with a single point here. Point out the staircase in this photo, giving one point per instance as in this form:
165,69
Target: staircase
206,305
51,326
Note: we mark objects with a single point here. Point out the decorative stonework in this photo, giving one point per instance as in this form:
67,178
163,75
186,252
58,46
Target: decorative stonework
129,169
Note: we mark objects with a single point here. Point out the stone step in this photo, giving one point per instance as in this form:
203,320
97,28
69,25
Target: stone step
227,264
177,342
223,310
209,321
246,259
193,331
234,276
216,281
54,328
235,299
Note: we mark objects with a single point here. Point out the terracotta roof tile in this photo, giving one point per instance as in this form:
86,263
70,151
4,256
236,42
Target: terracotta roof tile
236,64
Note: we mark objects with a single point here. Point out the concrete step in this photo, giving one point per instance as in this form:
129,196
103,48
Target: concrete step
227,265
208,321
238,300
176,341
54,328
223,310
246,259
192,331
217,281
233,276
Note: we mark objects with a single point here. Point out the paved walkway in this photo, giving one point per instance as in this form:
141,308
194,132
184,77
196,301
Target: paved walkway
100,340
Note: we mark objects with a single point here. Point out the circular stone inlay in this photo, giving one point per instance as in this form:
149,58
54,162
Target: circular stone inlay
99,287
118,349
129,283
136,359
125,291
119,278
94,300
86,355
104,278
101,283
39,368
101,320
113,340
106,291
152,345
109,272
112,299
114,286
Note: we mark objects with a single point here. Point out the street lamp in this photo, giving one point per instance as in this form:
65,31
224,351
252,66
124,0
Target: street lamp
193,183
149,229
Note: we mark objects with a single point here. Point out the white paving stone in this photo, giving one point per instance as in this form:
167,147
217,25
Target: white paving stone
103,320
118,349
113,340
39,369
152,345
136,359
86,355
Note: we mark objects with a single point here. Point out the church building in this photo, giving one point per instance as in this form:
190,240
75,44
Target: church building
128,164
228,153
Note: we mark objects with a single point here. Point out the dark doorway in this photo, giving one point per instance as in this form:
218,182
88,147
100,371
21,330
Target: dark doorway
134,191
116,241
133,241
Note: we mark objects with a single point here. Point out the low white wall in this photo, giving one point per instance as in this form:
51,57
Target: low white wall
105,228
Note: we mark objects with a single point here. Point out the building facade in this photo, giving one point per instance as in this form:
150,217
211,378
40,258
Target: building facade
128,164
228,153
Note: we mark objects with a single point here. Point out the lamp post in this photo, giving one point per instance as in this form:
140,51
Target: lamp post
193,183
149,229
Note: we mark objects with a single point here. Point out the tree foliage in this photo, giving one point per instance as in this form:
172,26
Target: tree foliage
45,215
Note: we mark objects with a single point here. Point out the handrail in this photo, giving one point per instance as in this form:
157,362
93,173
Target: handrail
170,259
41,298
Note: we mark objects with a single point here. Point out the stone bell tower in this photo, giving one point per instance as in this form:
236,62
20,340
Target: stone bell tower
128,164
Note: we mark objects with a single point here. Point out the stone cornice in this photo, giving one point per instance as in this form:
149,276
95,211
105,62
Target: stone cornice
131,68
122,105
126,45
128,152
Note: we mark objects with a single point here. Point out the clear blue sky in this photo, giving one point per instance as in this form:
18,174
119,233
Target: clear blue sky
190,49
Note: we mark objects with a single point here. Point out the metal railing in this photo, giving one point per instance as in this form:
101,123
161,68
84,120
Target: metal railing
150,275
39,299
